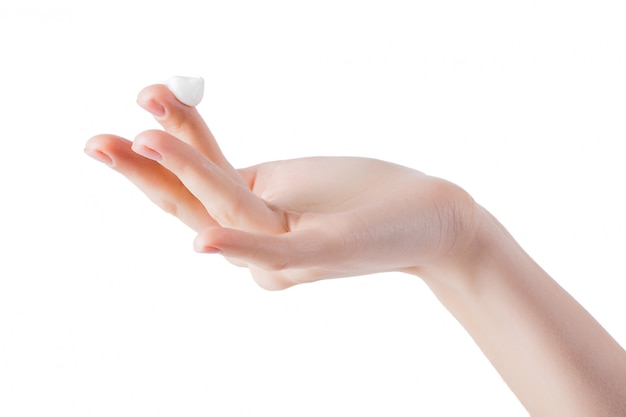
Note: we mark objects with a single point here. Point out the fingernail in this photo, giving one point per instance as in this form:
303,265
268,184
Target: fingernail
147,152
99,156
209,249
154,107
200,248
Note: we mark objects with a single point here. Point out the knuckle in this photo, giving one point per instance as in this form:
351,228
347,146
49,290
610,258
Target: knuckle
277,265
229,212
173,201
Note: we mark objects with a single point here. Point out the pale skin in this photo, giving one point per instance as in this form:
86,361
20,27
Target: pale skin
304,220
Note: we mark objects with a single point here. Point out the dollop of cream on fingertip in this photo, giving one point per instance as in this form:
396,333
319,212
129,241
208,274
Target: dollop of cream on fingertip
188,90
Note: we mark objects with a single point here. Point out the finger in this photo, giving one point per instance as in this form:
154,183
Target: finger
275,261
229,202
159,184
184,122
270,252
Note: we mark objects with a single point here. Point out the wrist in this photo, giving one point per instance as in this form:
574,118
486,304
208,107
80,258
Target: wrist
546,346
480,241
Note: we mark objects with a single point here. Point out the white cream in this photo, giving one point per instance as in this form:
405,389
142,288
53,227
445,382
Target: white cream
188,90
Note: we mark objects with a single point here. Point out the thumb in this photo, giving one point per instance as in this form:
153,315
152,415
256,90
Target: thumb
269,252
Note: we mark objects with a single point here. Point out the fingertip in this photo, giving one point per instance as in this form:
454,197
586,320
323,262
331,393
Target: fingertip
153,143
174,116
161,94
153,91
204,244
155,108
99,156
199,244
153,100
107,142
207,249
148,136
97,140
105,148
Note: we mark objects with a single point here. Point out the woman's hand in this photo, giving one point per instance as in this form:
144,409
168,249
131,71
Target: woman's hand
308,219
292,221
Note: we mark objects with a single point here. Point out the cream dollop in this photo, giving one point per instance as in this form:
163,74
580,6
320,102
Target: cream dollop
188,90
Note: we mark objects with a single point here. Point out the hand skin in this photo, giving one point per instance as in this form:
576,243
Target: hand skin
309,219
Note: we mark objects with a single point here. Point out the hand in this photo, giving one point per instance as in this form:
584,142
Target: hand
292,221
308,219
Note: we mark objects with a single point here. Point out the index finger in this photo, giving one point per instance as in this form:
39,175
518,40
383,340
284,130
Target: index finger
229,202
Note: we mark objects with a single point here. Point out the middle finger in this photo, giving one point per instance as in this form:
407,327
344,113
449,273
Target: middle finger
229,202
185,123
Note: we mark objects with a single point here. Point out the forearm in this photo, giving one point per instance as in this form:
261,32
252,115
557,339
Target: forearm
551,352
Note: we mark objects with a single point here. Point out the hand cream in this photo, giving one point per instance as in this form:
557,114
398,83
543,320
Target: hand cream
188,90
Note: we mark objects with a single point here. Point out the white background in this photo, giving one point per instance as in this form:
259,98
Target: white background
105,310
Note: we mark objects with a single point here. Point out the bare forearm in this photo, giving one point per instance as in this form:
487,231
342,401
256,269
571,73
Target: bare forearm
551,352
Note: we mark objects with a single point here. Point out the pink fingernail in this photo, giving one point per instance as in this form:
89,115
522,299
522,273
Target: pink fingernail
99,156
200,248
209,249
155,108
147,152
